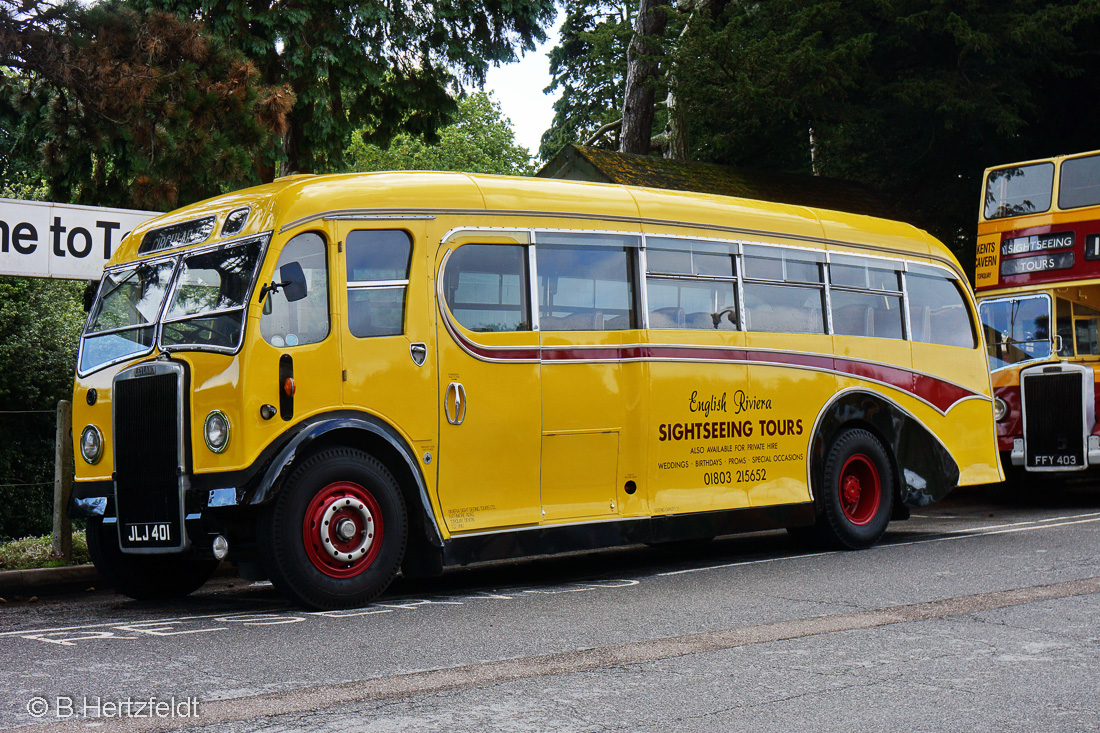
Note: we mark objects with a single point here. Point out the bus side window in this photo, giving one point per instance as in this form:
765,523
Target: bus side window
691,285
306,321
1084,334
866,299
486,287
378,277
938,312
585,288
796,304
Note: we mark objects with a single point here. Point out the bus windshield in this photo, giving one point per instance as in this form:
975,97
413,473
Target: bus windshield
206,292
125,314
1016,329
1019,189
207,307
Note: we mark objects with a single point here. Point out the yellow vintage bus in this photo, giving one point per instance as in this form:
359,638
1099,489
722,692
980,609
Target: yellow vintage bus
1037,279
329,379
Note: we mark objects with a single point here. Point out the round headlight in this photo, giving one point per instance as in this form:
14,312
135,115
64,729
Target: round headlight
91,444
216,431
1000,409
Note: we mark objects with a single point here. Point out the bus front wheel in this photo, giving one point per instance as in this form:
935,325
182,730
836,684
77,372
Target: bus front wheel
858,492
335,535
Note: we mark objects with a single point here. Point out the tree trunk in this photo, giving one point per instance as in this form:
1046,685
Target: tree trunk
641,70
676,131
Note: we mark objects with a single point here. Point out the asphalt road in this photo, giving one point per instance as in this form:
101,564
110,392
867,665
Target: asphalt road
969,616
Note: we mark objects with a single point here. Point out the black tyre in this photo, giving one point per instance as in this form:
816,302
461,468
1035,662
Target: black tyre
858,492
335,535
144,577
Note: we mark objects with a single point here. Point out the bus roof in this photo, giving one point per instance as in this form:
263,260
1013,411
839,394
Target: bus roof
296,201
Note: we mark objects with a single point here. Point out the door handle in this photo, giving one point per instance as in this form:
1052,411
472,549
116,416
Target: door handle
454,403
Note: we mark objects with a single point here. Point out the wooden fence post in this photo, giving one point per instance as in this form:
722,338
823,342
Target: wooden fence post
63,482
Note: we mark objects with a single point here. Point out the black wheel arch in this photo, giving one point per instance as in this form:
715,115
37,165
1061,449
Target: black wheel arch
370,435
924,470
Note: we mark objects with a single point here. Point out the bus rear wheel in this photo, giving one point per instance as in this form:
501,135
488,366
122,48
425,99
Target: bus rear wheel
335,535
858,492
144,577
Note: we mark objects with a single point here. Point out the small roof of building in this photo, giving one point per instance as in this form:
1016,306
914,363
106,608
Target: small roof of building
581,163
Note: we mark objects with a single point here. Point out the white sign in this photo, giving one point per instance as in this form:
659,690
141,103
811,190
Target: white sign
39,239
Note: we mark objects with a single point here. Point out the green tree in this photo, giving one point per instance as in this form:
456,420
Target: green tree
479,140
374,65
42,320
588,66
914,97
125,108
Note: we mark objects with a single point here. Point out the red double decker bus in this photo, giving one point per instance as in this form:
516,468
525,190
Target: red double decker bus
1037,279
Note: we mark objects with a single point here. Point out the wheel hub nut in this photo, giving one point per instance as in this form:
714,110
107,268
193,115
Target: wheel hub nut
345,529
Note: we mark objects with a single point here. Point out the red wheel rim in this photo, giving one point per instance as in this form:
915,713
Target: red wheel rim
860,490
342,529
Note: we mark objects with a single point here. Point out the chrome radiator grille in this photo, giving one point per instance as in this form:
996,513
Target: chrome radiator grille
148,455
1054,429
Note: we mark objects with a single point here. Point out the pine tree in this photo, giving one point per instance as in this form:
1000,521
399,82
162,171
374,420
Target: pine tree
588,66
122,108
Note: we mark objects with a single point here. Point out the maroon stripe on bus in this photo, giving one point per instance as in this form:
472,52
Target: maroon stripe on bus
564,353
938,393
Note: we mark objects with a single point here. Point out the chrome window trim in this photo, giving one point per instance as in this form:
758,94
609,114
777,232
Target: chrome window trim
247,214
120,329
896,261
967,298
427,213
631,271
366,284
204,314
213,218
533,286
695,278
128,266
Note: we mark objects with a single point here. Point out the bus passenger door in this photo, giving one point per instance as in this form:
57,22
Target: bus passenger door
489,386
386,328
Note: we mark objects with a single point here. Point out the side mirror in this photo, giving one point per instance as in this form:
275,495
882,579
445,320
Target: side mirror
293,285
293,281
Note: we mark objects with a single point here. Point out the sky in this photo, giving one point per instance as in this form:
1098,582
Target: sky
518,88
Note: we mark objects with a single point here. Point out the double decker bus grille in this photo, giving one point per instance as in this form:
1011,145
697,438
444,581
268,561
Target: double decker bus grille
1054,430
147,455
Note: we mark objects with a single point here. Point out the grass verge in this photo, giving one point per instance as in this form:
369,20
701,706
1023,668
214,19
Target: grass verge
34,552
